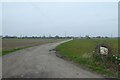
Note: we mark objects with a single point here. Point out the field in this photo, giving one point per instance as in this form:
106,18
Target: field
11,45
81,51
0,46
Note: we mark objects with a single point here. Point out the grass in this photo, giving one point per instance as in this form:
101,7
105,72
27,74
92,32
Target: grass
0,53
81,51
4,52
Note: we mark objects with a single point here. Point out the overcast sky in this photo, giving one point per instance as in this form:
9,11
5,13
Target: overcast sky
51,18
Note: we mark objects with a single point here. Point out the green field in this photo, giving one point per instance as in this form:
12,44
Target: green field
81,51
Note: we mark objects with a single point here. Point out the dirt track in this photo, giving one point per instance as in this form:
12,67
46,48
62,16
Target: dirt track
40,62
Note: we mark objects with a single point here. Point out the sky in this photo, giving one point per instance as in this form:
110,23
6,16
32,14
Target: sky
0,18
58,18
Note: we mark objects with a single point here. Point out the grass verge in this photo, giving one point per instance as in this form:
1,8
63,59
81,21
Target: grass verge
0,53
81,52
4,52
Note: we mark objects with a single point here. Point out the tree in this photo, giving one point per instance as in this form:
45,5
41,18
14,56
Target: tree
57,36
87,37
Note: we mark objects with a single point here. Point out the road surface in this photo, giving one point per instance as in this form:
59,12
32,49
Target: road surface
41,62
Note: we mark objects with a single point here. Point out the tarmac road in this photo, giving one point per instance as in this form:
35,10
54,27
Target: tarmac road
41,62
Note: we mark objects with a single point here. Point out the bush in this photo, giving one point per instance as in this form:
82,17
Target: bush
108,61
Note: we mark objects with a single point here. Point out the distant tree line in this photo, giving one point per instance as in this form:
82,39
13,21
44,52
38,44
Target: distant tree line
35,37
97,37
51,37
88,37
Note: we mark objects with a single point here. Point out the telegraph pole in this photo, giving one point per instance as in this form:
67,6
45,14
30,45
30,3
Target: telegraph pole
49,35
65,34
111,35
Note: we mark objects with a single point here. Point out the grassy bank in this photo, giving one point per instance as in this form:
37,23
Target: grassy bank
4,52
81,51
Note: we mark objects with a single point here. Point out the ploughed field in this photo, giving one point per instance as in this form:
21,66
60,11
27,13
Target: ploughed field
81,51
11,45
